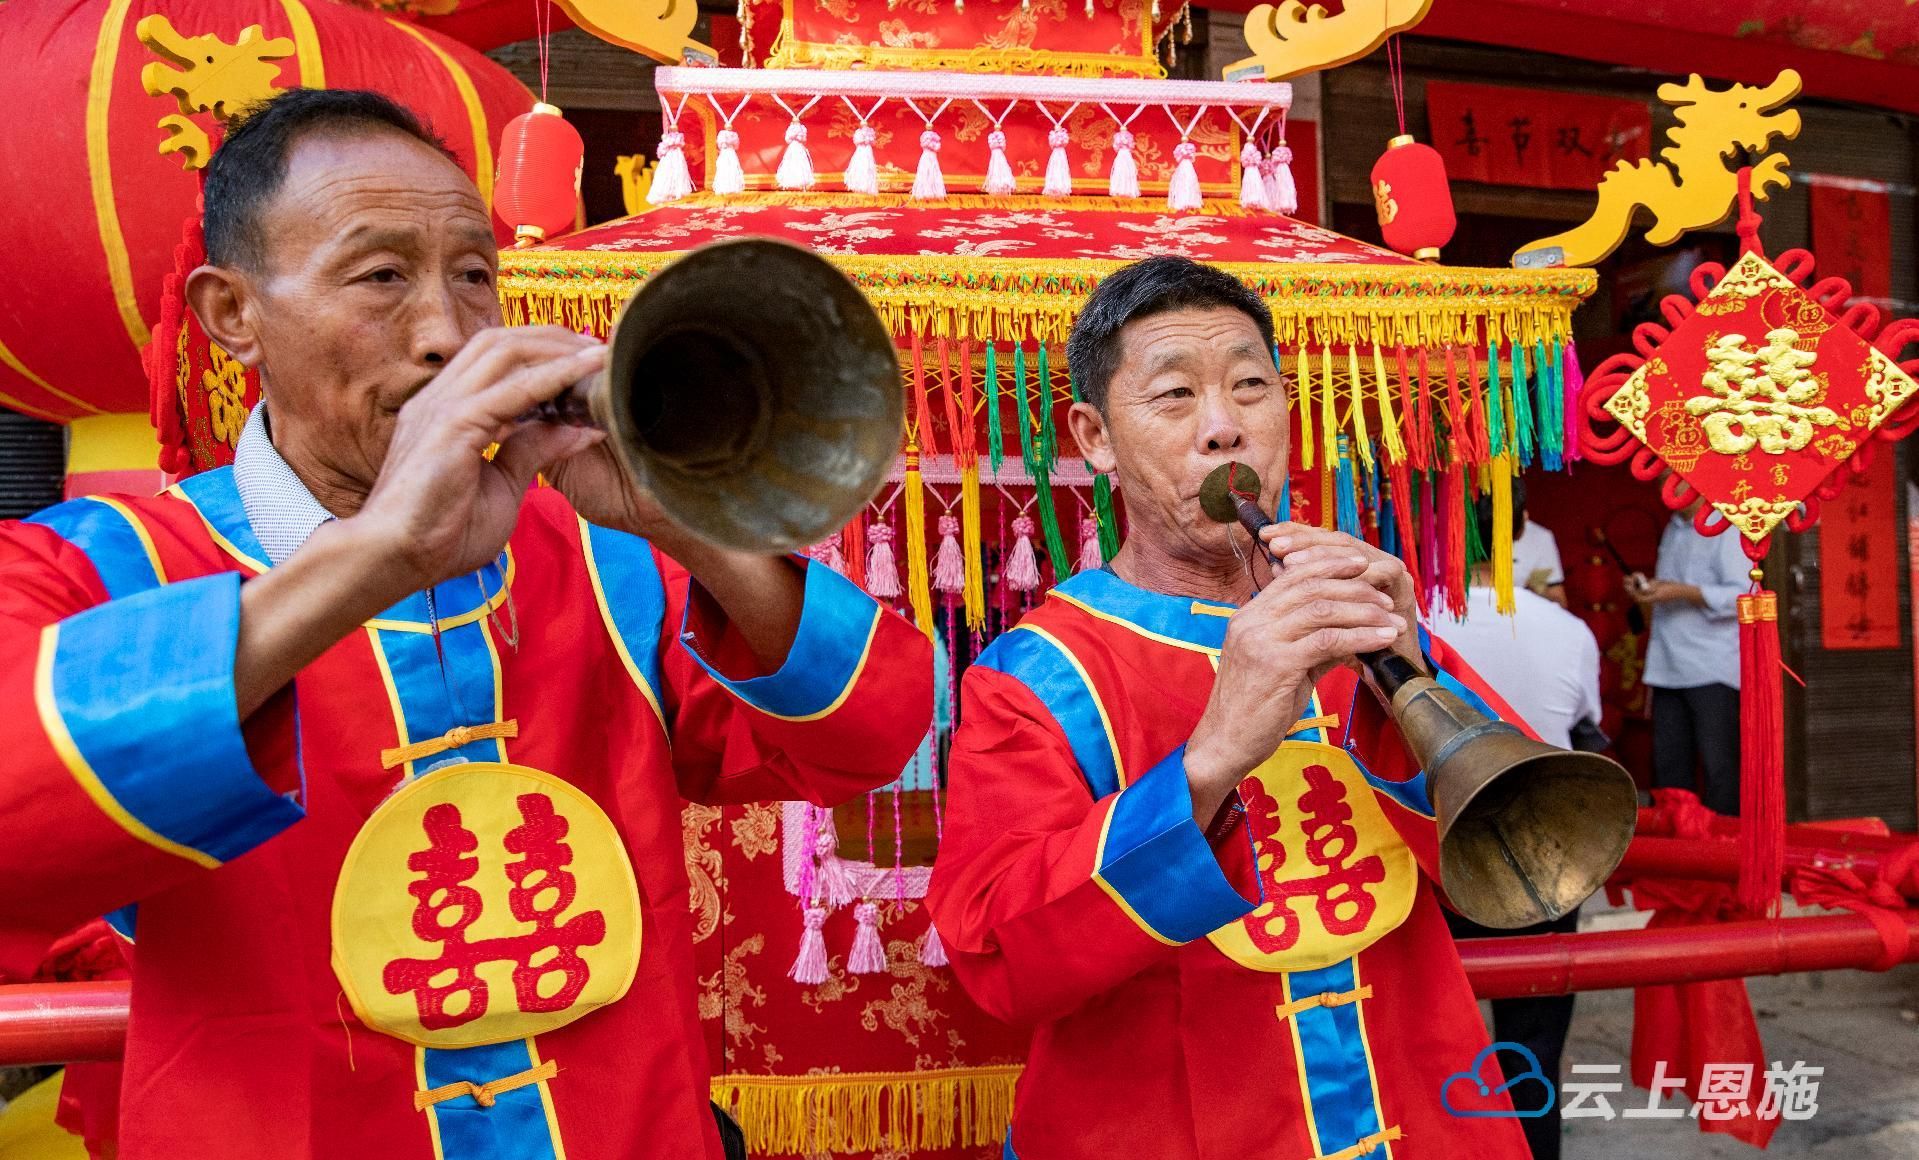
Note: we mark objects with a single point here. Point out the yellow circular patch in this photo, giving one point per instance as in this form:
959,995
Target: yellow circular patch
1337,875
484,902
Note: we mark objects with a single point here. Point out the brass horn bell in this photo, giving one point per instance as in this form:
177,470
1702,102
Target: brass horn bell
1527,831
753,392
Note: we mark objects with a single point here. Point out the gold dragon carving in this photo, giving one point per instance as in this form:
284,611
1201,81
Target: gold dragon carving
205,74
1291,37
662,29
1693,183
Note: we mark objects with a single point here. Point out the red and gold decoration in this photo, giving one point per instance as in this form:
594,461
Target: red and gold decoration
1762,385
539,187
1413,199
113,169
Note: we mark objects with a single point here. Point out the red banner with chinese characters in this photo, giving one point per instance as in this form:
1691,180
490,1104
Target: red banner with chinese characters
1852,234
1859,562
1533,137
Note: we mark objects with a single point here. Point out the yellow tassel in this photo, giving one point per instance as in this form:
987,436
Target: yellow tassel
1388,422
1303,387
1328,505
1362,440
975,594
1502,545
1328,410
870,1111
919,588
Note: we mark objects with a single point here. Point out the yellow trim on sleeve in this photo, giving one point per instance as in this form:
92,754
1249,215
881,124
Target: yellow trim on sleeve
83,773
1148,633
140,530
106,54
866,654
1119,900
224,544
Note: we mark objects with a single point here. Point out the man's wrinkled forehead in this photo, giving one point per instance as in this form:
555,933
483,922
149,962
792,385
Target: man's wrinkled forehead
366,188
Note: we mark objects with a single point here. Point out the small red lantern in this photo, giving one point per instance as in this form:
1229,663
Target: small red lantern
539,183
1414,201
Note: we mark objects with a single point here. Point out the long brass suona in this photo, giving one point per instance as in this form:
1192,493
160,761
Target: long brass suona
1527,831
752,391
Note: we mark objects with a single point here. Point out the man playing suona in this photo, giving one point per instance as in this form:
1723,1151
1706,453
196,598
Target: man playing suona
388,749
1205,985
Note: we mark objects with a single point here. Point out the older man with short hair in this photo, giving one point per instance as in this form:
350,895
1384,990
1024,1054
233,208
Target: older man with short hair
387,744
1184,844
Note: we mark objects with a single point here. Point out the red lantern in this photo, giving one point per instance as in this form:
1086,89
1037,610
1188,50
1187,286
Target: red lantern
1414,201
539,185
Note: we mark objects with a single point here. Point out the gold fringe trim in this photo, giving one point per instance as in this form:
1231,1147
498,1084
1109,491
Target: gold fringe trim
870,1111
1036,299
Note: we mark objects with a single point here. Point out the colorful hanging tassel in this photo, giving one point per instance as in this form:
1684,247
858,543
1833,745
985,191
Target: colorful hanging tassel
1498,430
809,967
1345,502
728,177
966,453
1522,408
1552,426
918,591
1431,551
882,574
835,880
929,184
796,164
949,570
1108,519
999,175
1388,422
1328,410
1762,768
671,181
1252,186
1575,387
1356,390
1091,559
1182,193
1282,194
932,950
1400,479
1123,180
1059,176
1022,564
995,452
868,956
853,541
1045,453
1502,547
862,172
1303,384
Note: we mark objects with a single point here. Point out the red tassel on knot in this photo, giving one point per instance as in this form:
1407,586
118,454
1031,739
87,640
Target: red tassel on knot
1762,759
868,957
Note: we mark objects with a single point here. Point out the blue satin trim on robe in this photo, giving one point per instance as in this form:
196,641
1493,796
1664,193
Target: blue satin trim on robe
1153,612
432,703
144,685
112,544
1339,1076
635,595
514,1128
1155,858
837,624
1040,664
217,498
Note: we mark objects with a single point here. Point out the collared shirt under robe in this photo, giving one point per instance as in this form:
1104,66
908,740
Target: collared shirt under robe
604,691
1185,1005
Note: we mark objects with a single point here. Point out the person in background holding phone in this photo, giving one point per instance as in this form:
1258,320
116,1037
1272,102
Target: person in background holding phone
1692,662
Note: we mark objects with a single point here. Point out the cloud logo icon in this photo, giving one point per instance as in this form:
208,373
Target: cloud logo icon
1467,1095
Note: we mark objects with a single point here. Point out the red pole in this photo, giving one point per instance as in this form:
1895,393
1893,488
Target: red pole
63,1022
1716,860
69,1022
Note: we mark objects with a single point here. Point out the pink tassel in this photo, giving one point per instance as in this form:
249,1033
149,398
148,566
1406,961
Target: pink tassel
862,174
1252,184
1283,194
809,966
1022,570
1059,177
999,175
671,181
1575,387
728,177
1183,192
932,950
949,570
929,184
828,552
868,957
835,881
882,574
1123,181
796,164
1091,559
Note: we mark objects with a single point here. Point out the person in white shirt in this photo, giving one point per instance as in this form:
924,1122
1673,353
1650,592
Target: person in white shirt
1692,662
1544,661
1536,563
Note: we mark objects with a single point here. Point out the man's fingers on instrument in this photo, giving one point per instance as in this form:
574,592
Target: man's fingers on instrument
537,447
517,392
1337,643
1317,599
1288,537
1325,560
493,355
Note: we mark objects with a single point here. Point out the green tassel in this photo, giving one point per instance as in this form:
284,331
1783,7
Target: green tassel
1542,385
1108,519
993,448
1522,408
1495,406
1042,469
1475,550
1552,423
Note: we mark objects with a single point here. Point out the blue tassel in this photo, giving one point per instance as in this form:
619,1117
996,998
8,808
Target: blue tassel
1348,505
1285,512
